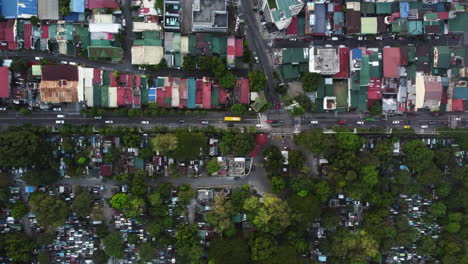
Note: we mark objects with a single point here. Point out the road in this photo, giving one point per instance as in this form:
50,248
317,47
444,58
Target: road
260,49
129,35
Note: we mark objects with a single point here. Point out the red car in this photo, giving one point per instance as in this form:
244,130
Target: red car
269,121
277,106
341,122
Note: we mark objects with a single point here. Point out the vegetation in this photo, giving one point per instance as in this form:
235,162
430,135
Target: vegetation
114,245
257,80
310,81
50,212
238,109
213,166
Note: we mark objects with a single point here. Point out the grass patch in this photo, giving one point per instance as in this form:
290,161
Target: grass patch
272,4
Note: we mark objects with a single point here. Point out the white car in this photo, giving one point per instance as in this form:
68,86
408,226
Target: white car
424,126
2,108
57,109
59,122
314,122
457,118
109,122
97,117
145,122
258,125
395,122
204,122
360,122
60,116
256,59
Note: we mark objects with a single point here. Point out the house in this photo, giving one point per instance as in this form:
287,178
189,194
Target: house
324,60
391,61
209,16
316,18
48,9
59,84
282,11
19,8
242,91
428,92
8,34
172,14
77,6
147,55
442,57
4,82
368,25
92,4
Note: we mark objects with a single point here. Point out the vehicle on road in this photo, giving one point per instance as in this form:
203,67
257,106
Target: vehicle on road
230,125
256,59
432,123
145,122
314,122
237,178
424,126
275,124
204,122
360,122
3,109
109,122
258,125
98,117
370,119
341,122
395,122
232,118
60,116
59,122
270,121
445,123
407,127
57,109
457,118
181,121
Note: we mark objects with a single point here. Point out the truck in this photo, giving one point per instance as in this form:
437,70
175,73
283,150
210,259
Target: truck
232,118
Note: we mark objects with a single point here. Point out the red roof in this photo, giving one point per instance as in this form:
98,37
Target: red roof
239,47
183,93
443,15
59,72
7,34
207,95
457,105
138,80
113,81
102,4
198,92
27,36
96,76
231,49
125,97
391,60
4,82
45,31
344,64
243,91
222,96
374,92
292,28
106,170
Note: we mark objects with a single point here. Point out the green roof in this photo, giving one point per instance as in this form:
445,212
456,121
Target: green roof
443,58
260,102
376,67
369,25
415,27
115,53
106,78
321,88
176,42
283,11
364,74
400,26
71,49
367,8
300,25
411,70
459,23
384,8
105,96
295,55
214,96
97,95
100,42
138,163
289,71
144,96
411,54
177,60
84,37
193,45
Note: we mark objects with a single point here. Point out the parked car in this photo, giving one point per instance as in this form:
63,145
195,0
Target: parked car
424,126
109,122
341,122
3,108
395,122
59,122
97,117
407,127
314,122
57,109
145,122
360,122
204,122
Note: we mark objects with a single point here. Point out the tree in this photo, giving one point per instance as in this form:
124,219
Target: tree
6,180
310,81
19,210
136,207
296,159
187,243
330,219
34,20
51,212
369,175
229,251
302,184
25,111
190,145
138,186
132,139
322,190
426,245
186,194
220,215
189,63
317,142
112,154
305,208
438,209
19,65
238,109
44,258
383,150
162,65
297,110
205,63
271,216
376,109
146,252
355,246
165,189
453,227
277,184
100,257
417,156
114,245
82,204
38,177
243,144
274,160
146,153
257,80
119,201
23,148
348,141
18,246
164,143
227,80
263,249
213,166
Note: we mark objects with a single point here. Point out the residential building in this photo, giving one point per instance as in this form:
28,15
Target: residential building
48,9
4,82
59,84
324,60
209,16
172,14
19,8
282,11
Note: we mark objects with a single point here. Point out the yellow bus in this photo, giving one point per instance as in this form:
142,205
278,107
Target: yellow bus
232,118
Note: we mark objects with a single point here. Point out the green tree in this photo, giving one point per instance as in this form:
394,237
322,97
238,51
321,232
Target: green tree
6,180
146,153
136,207
348,141
146,252
238,109
132,139
271,216
263,249
243,144
189,63
164,143
330,219
426,245
23,148
296,159
39,176
190,145
119,201
302,184
165,189
355,246
369,176
277,184
417,156
50,212
305,208
100,257
112,154
25,111
229,251
317,142
82,204
44,258
205,63
220,215
19,210
376,109
114,245
213,166
162,65
227,80
274,160
322,190
138,186
257,80
18,246
186,194
453,227
34,20
187,243
310,81
438,209
19,65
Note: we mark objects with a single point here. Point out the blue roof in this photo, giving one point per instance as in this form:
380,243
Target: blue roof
357,54
77,6
320,18
29,189
404,9
17,9
322,258
191,93
74,17
460,93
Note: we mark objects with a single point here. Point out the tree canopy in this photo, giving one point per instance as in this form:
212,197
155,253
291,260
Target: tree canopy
82,204
417,156
18,246
238,109
164,143
257,80
51,212
310,81
271,216
114,245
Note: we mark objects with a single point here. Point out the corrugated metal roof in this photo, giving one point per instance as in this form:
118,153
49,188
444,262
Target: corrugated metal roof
191,93
460,93
206,97
215,96
19,9
102,4
48,9
4,82
391,60
77,6
114,53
